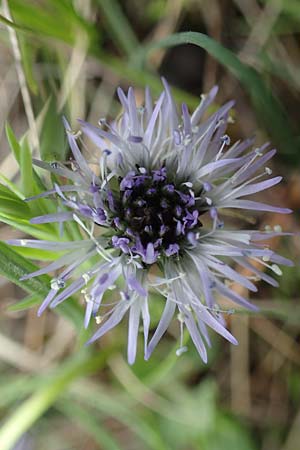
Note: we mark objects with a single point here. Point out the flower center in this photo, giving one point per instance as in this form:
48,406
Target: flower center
152,216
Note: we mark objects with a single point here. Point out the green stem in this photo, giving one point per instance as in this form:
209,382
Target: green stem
33,408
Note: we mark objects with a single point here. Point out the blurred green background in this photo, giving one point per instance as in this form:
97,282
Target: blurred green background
68,57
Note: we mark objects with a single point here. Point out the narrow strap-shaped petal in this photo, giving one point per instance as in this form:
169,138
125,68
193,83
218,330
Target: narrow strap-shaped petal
256,206
215,325
55,217
70,290
146,321
234,296
58,170
230,273
52,293
66,188
49,245
111,322
133,328
162,326
148,104
151,124
172,108
123,99
135,285
88,313
83,166
252,168
210,167
203,330
207,99
105,281
187,125
133,114
257,272
205,279
94,133
195,335
254,188
57,264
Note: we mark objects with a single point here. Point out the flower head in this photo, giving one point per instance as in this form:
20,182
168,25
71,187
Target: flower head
151,214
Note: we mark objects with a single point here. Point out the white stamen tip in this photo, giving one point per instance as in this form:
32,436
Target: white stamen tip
276,269
98,319
268,171
181,350
57,284
88,298
277,229
181,317
86,277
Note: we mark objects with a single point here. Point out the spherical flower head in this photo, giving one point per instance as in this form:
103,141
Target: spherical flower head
160,176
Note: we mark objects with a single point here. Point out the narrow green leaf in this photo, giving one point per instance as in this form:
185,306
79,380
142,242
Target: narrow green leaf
110,405
53,140
13,208
11,204
37,254
13,266
57,20
11,186
118,25
23,225
33,408
13,142
89,423
26,303
28,57
26,169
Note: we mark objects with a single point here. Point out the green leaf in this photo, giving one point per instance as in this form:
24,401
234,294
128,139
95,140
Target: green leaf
268,108
11,186
26,303
13,142
230,436
53,140
118,25
11,204
13,266
87,421
108,403
26,169
52,19
37,254
28,58
39,232
45,396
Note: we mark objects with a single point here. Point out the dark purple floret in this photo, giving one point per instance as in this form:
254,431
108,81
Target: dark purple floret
152,215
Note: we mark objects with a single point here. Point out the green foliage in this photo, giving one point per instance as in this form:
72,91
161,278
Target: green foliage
13,266
52,137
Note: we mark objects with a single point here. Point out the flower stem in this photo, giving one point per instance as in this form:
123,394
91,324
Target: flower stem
34,407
